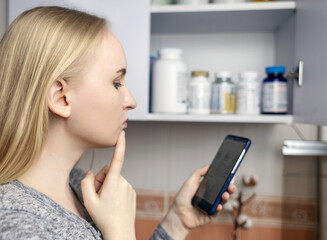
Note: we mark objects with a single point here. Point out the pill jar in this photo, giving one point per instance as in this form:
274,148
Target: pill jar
274,91
199,93
223,94
248,93
169,82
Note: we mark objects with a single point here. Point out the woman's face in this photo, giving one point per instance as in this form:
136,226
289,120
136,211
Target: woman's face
100,98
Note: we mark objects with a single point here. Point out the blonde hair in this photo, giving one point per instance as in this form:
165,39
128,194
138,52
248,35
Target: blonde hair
42,45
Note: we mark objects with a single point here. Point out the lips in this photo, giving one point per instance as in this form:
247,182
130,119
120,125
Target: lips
125,123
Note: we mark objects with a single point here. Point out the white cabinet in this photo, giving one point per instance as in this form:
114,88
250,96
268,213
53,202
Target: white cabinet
252,36
310,101
233,37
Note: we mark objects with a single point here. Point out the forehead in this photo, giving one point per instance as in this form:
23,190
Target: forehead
110,53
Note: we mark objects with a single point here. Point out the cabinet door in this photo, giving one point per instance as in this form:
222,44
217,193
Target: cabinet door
130,22
310,100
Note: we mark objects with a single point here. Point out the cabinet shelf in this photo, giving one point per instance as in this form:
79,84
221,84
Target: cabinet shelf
232,118
265,16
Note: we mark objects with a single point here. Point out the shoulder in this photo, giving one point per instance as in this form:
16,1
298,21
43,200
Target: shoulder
22,225
20,214
13,196
16,199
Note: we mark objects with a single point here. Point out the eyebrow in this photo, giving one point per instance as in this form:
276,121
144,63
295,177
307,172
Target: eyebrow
123,71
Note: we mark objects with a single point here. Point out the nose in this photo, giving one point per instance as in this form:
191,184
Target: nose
130,102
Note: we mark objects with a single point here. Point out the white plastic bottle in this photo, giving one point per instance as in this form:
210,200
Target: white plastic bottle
199,93
248,94
169,82
223,94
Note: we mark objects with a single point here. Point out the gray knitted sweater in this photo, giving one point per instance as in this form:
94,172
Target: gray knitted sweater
26,213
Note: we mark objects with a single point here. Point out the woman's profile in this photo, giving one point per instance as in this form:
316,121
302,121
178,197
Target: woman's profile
63,91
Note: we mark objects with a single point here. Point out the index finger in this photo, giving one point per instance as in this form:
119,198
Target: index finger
118,158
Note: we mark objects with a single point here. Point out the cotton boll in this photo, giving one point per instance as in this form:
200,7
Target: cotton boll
244,221
231,205
228,206
241,219
250,180
248,224
235,204
246,180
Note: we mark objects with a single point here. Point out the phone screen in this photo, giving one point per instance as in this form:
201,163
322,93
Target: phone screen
220,170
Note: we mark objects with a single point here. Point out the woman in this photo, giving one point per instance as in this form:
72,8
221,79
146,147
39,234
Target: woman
62,91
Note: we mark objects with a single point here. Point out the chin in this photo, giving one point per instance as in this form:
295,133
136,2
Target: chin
104,141
107,145
104,144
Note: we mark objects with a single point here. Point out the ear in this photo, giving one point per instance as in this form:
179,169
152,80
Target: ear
58,102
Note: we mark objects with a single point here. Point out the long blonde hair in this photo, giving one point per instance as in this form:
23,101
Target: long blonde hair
42,45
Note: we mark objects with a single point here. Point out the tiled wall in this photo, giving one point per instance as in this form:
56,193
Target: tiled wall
274,218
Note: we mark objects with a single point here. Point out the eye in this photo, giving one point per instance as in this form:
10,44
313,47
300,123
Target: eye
118,85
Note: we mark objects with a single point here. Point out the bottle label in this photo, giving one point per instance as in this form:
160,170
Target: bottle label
223,98
274,97
199,98
182,87
248,99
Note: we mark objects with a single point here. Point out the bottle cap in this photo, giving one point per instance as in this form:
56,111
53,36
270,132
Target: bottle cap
275,70
200,74
224,75
173,51
249,75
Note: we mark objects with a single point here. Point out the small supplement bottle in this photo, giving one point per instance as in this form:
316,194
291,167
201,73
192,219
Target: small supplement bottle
223,94
274,91
248,94
169,82
199,93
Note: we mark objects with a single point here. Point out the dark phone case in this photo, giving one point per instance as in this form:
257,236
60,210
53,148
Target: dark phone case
204,205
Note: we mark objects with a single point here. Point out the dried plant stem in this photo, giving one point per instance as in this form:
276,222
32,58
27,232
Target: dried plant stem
237,212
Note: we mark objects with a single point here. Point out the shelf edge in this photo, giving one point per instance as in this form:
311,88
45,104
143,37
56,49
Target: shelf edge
248,6
286,119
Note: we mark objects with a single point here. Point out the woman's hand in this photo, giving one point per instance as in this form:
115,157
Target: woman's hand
182,216
110,199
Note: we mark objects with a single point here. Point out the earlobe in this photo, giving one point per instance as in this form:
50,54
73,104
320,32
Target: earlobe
58,101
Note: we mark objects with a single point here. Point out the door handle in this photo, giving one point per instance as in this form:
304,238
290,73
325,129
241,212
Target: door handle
297,74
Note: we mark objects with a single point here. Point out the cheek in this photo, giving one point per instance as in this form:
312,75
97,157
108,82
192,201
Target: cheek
97,118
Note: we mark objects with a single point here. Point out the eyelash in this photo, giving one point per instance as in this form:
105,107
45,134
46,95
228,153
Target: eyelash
118,85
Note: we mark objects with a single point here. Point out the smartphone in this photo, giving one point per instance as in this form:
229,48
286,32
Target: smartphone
220,173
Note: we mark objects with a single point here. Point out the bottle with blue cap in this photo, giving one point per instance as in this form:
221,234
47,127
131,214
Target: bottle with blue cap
274,91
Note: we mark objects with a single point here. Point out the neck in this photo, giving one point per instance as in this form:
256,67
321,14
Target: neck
49,173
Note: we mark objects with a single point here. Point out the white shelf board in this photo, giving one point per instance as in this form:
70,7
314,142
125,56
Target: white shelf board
221,118
265,16
216,7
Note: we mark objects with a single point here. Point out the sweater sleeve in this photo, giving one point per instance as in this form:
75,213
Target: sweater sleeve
160,234
20,225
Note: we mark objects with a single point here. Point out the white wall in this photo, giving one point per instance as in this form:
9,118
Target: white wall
160,156
3,16
234,52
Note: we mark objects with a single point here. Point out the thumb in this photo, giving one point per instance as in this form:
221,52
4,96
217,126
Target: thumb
198,174
88,189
